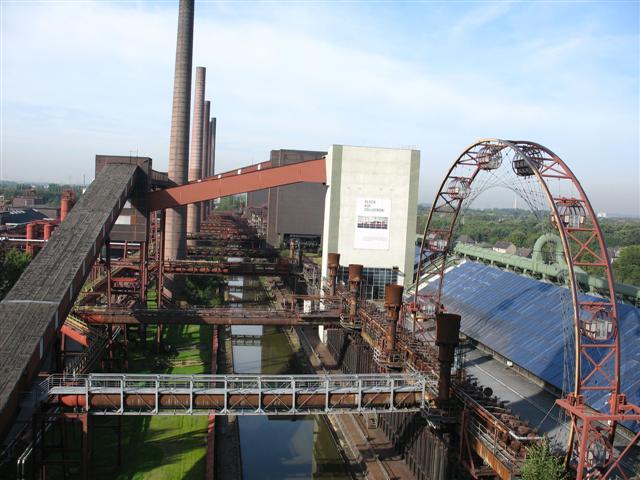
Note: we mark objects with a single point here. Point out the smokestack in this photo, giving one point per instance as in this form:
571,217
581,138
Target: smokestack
176,222
66,203
393,304
206,140
355,277
447,331
195,158
212,152
213,146
30,235
333,264
204,207
48,228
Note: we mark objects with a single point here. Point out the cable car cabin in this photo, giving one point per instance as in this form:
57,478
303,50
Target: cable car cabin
459,188
489,157
571,212
597,324
523,165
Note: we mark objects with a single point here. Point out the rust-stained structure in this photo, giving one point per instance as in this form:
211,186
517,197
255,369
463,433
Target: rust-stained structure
128,234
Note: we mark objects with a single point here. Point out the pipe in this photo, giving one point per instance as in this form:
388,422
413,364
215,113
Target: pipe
393,304
48,229
333,264
66,203
31,235
176,223
195,157
447,332
355,277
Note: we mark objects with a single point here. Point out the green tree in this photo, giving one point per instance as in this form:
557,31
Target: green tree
627,266
11,268
518,238
542,464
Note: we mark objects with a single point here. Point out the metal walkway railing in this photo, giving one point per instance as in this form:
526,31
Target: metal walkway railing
148,394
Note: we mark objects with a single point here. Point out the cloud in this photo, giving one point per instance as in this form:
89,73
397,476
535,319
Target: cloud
87,78
480,17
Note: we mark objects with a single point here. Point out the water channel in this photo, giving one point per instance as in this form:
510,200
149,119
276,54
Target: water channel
278,447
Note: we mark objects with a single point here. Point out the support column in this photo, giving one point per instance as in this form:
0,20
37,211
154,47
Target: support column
107,264
176,225
160,268
143,262
86,422
195,157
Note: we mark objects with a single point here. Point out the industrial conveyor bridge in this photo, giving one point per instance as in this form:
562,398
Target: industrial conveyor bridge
33,311
149,394
207,316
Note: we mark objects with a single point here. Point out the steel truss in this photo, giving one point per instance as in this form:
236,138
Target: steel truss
146,394
597,360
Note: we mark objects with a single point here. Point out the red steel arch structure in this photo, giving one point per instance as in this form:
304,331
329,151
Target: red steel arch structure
546,184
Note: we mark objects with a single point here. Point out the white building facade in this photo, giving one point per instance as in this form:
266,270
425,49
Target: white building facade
370,213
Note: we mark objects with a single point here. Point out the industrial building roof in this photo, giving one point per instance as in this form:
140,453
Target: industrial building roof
20,216
522,319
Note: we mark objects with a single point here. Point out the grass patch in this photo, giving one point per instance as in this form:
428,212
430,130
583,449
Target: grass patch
161,447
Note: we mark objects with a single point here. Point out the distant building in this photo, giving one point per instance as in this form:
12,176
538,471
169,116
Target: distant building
293,211
524,252
602,215
614,252
370,213
505,247
466,239
27,199
17,217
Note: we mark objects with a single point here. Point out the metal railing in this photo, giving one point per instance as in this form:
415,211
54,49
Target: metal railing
147,394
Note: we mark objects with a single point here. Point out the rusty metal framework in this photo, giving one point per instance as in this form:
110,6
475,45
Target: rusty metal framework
548,187
148,394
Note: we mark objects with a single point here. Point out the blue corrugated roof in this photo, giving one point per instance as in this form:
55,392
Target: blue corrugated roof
521,318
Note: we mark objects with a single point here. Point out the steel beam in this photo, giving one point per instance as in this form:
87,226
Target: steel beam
205,316
208,189
149,394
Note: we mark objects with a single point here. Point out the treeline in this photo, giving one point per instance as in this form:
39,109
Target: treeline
522,228
626,268
50,193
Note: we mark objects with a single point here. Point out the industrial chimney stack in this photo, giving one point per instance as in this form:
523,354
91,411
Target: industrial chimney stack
196,156
176,220
204,210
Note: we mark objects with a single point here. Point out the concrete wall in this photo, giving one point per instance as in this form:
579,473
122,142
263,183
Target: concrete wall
388,177
295,209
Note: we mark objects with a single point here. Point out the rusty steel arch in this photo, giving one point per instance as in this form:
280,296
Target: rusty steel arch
595,323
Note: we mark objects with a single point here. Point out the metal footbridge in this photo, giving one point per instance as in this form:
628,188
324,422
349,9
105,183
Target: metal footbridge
149,394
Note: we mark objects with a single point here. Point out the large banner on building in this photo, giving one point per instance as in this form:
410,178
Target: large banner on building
372,223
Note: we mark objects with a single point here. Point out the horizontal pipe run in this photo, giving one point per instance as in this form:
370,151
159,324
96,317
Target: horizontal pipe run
148,394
